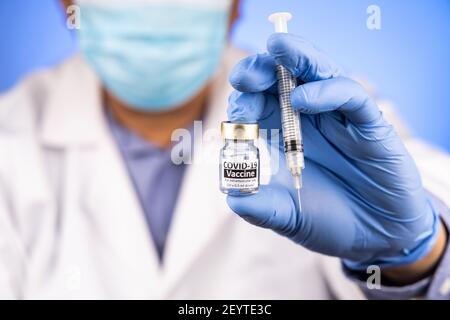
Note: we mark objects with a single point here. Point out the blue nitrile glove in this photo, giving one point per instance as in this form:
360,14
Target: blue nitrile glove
362,196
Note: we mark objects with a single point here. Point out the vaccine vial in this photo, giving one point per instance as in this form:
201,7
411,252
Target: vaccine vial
239,159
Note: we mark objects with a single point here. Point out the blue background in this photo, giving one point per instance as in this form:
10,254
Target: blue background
407,61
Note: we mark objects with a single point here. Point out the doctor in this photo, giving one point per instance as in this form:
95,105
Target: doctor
91,205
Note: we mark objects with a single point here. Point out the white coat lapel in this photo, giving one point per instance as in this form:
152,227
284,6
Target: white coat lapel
111,202
201,208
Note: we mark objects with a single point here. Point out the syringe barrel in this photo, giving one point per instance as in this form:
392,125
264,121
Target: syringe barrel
290,120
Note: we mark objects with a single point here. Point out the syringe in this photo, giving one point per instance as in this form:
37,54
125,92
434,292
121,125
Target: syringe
290,118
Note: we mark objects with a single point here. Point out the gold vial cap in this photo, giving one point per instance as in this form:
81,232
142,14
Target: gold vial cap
239,131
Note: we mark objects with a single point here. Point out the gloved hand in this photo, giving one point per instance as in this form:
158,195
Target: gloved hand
362,197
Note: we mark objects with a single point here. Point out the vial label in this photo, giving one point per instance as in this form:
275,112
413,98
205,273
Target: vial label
240,174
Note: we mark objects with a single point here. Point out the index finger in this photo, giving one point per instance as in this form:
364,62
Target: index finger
301,57
255,73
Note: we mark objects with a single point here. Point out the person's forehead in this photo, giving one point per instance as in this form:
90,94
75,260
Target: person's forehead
202,3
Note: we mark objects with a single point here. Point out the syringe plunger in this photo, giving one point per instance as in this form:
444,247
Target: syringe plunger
280,19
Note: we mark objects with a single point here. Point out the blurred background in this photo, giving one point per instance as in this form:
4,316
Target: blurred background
407,61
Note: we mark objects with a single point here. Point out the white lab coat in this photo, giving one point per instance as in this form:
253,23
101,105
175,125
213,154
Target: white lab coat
71,225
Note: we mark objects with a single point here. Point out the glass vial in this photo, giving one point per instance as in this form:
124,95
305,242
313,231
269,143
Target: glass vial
239,159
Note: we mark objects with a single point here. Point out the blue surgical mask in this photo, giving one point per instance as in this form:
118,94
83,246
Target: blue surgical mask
153,57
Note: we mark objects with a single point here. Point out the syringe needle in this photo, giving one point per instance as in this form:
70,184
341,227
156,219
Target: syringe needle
299,200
